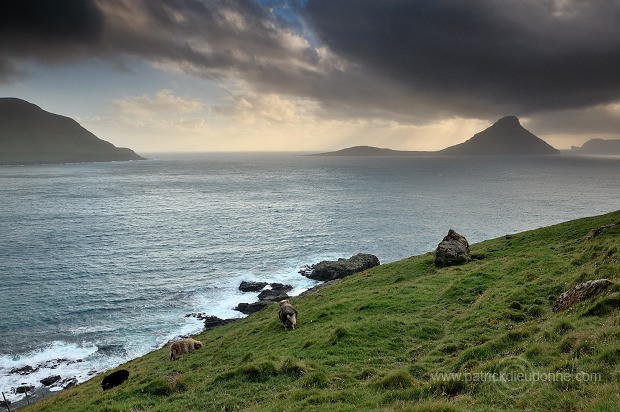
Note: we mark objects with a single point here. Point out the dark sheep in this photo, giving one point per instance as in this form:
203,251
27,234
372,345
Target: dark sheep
114,379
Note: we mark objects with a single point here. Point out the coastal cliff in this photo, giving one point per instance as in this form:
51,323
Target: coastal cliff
31,135
599,147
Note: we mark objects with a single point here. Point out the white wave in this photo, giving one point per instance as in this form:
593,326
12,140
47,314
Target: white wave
57,358
84,361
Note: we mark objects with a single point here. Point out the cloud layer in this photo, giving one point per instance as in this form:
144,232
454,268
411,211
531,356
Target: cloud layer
471,56
413,62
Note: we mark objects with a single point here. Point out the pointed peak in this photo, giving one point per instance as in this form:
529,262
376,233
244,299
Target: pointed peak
504,137
509,120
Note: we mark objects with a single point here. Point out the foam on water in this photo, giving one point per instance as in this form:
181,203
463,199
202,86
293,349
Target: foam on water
70,360
58,358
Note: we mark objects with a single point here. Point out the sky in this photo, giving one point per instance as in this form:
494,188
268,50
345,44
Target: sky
307,75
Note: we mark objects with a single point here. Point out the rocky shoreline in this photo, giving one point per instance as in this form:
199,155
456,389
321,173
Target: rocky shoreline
327,272
50,384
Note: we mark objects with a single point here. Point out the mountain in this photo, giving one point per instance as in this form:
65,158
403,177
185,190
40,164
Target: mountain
31,135
599,146
505,137
371,151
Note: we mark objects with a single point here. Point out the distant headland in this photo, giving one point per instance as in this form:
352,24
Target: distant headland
598,147
504,138
31,135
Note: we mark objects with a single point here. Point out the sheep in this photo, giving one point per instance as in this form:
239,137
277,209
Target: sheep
287,314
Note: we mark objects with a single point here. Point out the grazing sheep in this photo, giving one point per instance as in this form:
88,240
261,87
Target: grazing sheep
114,379
182,346
288,314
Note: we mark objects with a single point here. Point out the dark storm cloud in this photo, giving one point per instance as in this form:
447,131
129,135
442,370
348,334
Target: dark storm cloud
411,61
528,55
48,29
209,38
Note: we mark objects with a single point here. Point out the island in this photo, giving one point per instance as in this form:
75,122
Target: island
372,151
598,147
31,135
506,137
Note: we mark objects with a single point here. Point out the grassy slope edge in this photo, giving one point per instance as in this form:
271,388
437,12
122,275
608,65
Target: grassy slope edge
378,339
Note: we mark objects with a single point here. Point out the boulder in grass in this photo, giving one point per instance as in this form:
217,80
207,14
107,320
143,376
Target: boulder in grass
452,250
580,293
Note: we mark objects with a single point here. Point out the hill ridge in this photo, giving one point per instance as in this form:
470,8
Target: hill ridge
31,135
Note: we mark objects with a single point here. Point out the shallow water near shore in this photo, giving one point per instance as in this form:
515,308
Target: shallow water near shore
101,262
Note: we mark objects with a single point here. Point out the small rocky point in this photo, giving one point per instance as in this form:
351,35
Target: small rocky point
326,271
211,321
452,250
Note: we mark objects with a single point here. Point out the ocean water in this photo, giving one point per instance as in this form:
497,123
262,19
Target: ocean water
100,263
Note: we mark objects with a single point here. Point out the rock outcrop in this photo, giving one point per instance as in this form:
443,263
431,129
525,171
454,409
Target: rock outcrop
275,293
452,250
50,380
595,232
211,321
246,286
338,269
580,293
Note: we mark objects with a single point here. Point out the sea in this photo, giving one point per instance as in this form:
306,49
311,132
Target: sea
101,263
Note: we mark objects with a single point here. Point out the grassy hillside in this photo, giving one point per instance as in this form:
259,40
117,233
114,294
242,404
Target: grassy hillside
379,340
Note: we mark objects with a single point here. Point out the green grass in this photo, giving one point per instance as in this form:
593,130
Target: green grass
378,340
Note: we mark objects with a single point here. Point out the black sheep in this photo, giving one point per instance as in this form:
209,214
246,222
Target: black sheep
114,379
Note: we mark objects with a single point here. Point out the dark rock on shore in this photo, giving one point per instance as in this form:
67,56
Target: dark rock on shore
211,321
50,380
276,293
246,286
452,250
330,270
24,389
249,308
68,383
24,370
